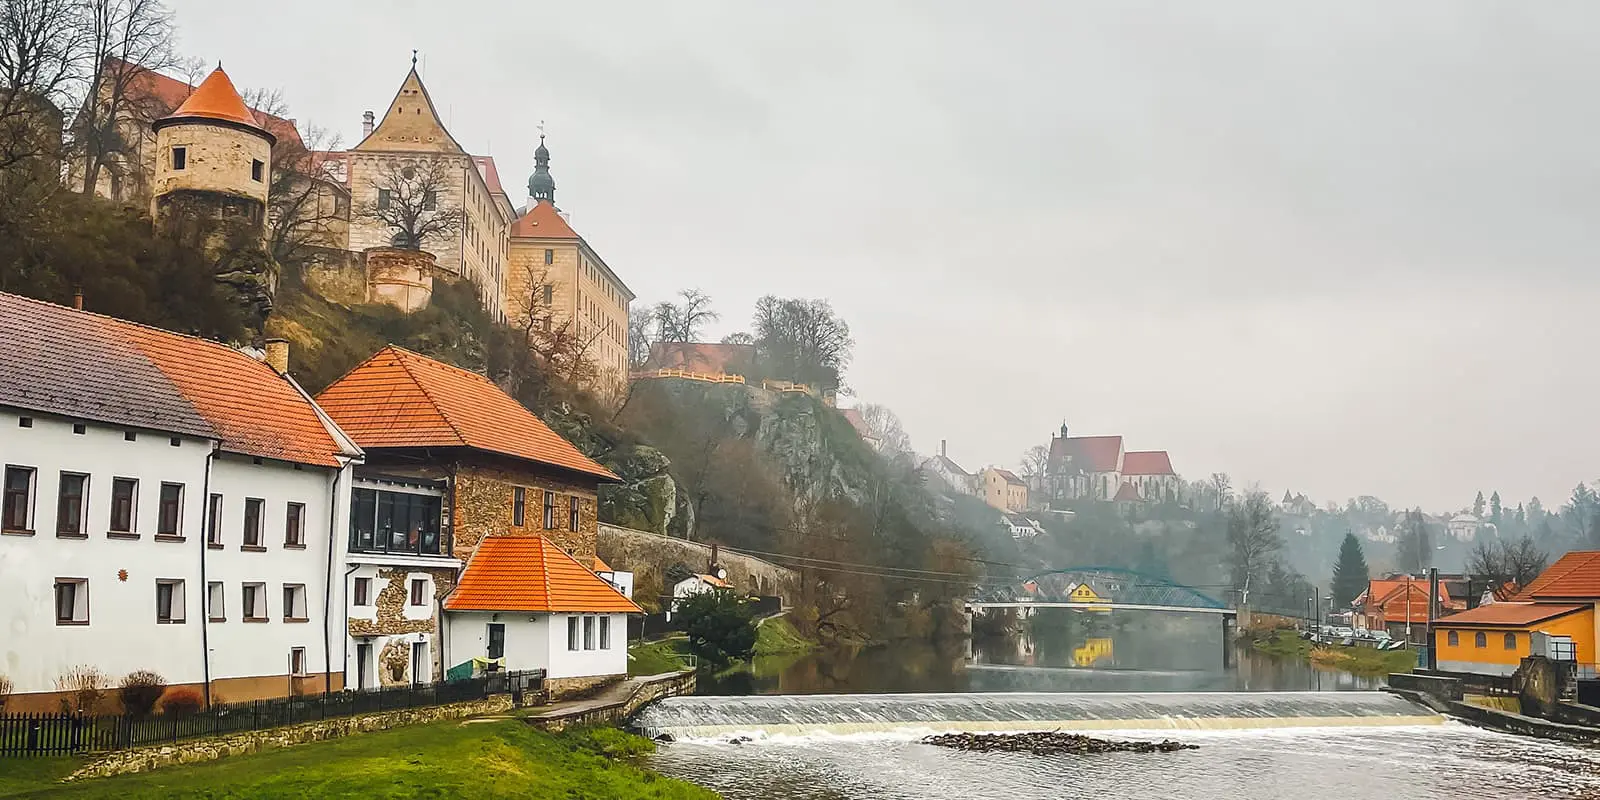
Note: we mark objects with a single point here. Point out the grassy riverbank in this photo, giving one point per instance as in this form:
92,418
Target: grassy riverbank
501,758
1355,660
775,636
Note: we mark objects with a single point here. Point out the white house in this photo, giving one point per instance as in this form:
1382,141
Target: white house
1020,526
524,603
950,473
168,506
621,579
1464,527
693,585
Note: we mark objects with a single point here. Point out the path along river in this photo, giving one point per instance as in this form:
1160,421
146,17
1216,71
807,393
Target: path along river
839,725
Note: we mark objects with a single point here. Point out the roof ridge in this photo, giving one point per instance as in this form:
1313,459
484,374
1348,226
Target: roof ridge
405,366
545,545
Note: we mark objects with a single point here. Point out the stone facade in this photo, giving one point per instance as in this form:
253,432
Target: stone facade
484,497
581,289
393,630
144,759
400,278
644,553
218,158
570,688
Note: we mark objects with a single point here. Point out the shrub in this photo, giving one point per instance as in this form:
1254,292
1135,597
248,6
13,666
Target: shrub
140,691
85,687
182,701
5,691
720,626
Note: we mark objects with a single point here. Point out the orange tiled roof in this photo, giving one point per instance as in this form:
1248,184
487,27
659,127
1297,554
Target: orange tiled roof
1393,603
543,221
1516,615
528,573
95,367
155,95
491,174
215,98
1575,575
1010,477
398,398
1088,453
600,565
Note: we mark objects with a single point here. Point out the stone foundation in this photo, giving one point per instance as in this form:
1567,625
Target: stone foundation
147,758
570,688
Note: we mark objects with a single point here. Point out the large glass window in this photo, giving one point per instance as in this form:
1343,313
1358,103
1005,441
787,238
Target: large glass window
395,522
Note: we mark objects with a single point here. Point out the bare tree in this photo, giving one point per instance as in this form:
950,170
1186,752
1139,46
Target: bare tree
1502,562
641,321
681,322
885,426
1221,488
409,202
125,37
739,337
558,343
41,49
1253,539
802,340
1035,462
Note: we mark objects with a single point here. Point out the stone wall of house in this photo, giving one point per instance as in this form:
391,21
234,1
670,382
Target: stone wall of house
144,759
483,507
389,629
651,554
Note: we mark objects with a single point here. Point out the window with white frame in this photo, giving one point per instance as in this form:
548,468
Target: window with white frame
588,633
252,521
215,605
169,516
72,601
362,592
294,526
124,504
169,601
253,602
297,662
294,602
16,515
605,633
72,498
573,642
214,521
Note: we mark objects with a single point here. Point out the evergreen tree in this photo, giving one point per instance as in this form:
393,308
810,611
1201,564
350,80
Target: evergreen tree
1350,573
1477,506
1416,544
1494,508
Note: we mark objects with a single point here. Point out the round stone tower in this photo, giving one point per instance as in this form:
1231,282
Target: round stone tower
213,161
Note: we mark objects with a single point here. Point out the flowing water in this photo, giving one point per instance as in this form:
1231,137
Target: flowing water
847,724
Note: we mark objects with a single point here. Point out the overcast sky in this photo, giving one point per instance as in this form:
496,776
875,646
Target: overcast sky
1340,248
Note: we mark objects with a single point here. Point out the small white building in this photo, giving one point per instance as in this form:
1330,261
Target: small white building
949,473
524,603
1464,527
1020,526
693,585
168,506
621,579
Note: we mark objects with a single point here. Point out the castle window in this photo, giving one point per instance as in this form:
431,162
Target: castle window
383,198
430,201
255,170
180,157
549,257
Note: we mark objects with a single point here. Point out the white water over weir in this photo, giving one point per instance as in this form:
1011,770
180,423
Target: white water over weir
683,717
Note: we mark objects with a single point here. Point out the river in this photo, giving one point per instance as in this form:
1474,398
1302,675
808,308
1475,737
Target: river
851,722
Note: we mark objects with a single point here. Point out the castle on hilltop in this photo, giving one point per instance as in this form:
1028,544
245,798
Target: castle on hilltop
376,223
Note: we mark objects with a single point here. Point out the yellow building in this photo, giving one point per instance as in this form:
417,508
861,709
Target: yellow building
410,136
554,276
1002,489
1493,639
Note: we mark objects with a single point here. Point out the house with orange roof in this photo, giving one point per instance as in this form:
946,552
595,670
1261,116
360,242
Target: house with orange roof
450,461
523,603
1399,605
170,504
1556,616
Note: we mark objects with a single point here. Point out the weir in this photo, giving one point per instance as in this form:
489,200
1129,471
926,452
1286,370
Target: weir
837,714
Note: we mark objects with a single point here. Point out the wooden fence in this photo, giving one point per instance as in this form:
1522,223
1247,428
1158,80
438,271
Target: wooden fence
66,733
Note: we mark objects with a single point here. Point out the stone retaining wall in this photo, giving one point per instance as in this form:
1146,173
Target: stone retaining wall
644,553
143,759
649,691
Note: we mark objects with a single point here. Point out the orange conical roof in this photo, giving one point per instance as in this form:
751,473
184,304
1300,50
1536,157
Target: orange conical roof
215,98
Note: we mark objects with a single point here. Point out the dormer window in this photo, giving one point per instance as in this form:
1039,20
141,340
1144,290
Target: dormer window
180,157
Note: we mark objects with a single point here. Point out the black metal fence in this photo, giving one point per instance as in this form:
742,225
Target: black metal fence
64,734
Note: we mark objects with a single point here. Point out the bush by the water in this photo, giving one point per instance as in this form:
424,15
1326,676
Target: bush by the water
720,625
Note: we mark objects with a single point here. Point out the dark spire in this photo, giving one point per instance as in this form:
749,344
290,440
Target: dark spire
541,186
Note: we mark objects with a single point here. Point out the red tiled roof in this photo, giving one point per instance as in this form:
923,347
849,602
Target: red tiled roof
160,95
491,176
712,357
853,416
90,366
601,566
1394,606
1088,453
398,398
528,573
543,221
1575,575
1146,462
1010,477
1128,493
1517,615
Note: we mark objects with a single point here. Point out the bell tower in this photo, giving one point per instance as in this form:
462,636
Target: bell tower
541,187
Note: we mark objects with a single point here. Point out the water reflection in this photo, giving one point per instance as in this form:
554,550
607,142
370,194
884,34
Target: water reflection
1070,655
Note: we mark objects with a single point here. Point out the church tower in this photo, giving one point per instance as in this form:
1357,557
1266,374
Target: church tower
541,187
213,160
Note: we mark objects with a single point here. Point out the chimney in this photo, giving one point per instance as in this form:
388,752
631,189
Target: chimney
366,124
712,566
941,447
277,355
77,299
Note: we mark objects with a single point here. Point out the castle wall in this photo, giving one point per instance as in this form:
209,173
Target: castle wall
217,159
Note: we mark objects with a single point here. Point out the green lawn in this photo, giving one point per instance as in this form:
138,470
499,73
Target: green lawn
1355,660
448,759
654,658
777,637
